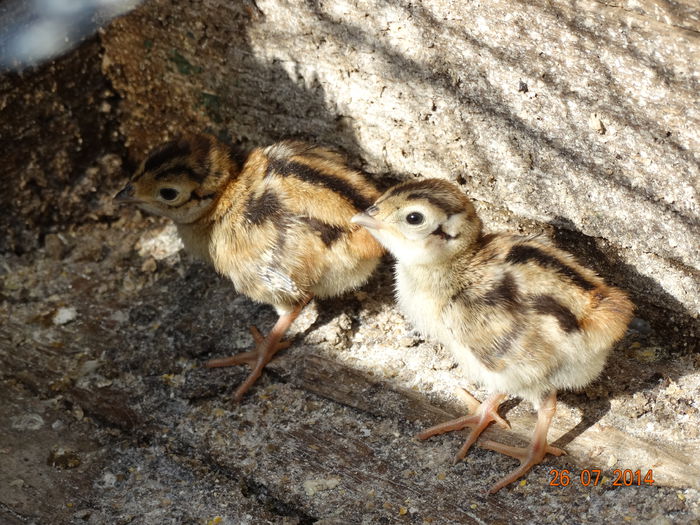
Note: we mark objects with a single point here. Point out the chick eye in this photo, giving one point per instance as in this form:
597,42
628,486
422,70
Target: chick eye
414,218
169,193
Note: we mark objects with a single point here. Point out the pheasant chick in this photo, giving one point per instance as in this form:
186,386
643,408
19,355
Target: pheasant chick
275,221
519,315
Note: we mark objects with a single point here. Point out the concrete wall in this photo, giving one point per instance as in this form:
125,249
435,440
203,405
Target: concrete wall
578,118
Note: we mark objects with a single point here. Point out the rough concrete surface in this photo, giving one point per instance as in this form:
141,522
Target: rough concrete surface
111,418
107,415
583,116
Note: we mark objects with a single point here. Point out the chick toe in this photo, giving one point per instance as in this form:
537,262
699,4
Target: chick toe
535,452
484,414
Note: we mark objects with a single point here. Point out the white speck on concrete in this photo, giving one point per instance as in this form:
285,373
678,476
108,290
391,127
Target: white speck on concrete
65,315
313,486
27,422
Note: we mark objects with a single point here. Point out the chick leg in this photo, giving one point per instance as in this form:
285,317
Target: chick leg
532,455
483,414
266,348
246,358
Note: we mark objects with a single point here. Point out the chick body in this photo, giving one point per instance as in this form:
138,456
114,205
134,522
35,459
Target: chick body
276,222
519,315
281,238
516,325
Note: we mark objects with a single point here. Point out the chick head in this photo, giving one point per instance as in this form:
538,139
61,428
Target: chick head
422,221
180,179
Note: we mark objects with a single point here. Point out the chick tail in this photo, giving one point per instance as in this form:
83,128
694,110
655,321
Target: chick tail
611,311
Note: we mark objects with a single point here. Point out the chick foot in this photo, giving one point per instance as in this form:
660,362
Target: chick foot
266,348
532,455
483,415
247,358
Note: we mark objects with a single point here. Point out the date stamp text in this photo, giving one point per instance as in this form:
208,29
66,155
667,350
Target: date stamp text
594,477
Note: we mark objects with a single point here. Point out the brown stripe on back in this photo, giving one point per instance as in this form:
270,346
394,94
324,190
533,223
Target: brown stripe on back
165,153
503,344
523,253
548,305
329,232
283,222
462,295
504,294
487,238
266,207
311,175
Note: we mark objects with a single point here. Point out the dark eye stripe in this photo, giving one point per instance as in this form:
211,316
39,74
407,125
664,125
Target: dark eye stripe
313,176
195,197
443,235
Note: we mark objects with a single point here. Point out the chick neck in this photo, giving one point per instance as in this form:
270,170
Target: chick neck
222,168
222,175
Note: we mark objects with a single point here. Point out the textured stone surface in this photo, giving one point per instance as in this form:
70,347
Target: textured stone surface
115,412
53,120
580,115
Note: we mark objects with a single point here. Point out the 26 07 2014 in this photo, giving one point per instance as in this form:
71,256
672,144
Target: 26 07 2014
588,477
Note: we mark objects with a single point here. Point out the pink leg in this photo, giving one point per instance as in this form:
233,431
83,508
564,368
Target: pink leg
532,455
482,417
266,348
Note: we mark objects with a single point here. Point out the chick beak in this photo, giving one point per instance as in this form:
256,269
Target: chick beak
127,194
366,220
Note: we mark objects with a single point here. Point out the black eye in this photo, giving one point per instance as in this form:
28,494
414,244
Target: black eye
414,218
169,193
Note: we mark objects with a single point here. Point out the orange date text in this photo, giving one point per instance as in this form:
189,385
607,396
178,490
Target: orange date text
594,477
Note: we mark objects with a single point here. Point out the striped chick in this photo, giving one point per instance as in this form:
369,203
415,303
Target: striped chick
275,221
519,315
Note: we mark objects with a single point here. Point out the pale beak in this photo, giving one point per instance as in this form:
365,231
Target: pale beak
363,219
127,194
